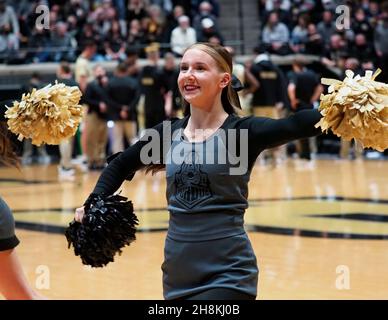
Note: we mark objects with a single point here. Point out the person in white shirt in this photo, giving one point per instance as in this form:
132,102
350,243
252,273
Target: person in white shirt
182,36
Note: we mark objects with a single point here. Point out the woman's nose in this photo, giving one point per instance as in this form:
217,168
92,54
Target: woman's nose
190,73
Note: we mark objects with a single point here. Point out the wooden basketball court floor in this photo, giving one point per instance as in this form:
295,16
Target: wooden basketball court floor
319,232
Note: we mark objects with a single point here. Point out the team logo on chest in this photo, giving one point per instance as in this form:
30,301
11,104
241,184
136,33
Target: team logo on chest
192,185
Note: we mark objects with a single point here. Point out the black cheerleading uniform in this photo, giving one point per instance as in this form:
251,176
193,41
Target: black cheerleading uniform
207,248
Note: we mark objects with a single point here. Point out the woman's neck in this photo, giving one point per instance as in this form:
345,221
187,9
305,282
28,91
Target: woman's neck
203,119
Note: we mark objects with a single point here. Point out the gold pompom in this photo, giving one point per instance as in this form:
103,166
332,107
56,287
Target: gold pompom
356,108
48,115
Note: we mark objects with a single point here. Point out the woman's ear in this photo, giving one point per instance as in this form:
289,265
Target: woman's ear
226,78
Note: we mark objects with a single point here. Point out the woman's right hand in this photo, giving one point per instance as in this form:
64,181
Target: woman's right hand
79,214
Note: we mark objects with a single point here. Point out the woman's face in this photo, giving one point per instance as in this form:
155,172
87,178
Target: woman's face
200,81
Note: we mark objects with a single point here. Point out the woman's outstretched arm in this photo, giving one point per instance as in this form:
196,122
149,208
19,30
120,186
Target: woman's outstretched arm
127,163
13,283
269,133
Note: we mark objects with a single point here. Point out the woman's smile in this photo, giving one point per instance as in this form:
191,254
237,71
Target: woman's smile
190,88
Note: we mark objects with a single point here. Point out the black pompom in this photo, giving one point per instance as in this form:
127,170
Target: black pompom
108,225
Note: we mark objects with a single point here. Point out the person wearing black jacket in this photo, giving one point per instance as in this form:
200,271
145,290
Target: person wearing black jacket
304,91
98,101
153,88
269,93
170,74
124,91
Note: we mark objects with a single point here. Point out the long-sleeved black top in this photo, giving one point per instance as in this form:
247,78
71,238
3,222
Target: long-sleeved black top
263,133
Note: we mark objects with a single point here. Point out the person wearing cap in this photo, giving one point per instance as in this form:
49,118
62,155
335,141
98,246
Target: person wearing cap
182,36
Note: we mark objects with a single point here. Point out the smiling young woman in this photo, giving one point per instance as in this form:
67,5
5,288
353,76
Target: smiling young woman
208,254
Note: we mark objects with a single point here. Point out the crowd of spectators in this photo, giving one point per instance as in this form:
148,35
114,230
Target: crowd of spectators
53,31
334,30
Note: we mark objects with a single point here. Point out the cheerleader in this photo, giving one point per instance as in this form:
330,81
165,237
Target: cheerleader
208,254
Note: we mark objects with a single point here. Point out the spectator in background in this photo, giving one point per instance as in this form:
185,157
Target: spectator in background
301,7
282,9
275,36
136,36
304,90
65,168
205,12
22,9
114,43
35,82
89,34
9,30
172,21
123,90
381,43
84,74
196,7
154,24
173,99
361,24
269,90
153,89
98,101
8,18
77,8
72,27
110,16
39,42
314,44
63,44
83,69
373,11
338,49
354,65
165,5
209,32
120,7
182,36
326,27
329,5
299,34
270,5
132,62
136,10
361,50
187,7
